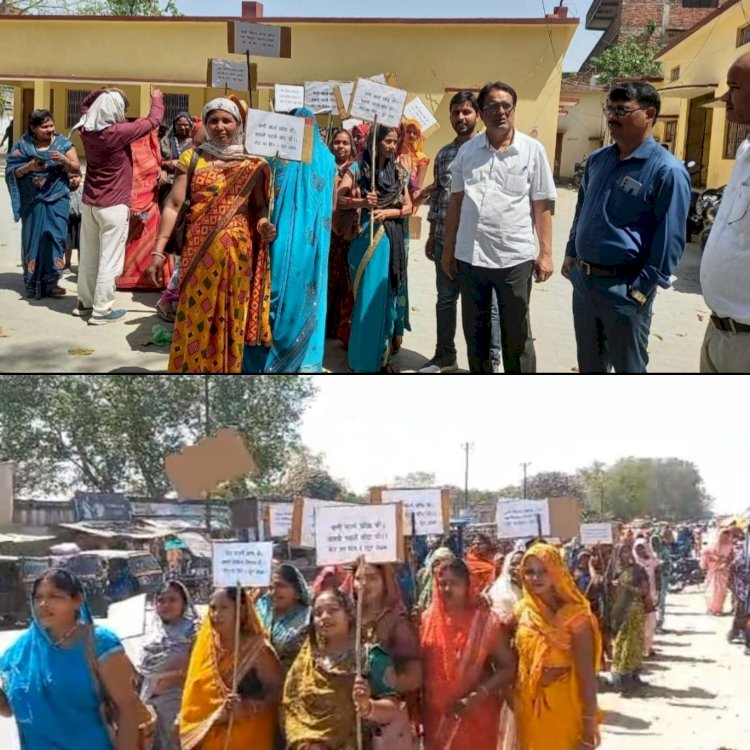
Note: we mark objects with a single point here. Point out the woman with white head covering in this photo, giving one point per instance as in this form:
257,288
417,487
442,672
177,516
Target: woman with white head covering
105,217
224,270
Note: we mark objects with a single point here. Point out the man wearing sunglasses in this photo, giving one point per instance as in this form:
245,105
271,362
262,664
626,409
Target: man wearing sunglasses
725,268
628,235
501,188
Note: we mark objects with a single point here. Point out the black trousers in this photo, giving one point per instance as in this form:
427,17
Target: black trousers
513,289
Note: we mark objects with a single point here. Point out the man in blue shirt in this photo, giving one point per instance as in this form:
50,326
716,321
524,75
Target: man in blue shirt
628,235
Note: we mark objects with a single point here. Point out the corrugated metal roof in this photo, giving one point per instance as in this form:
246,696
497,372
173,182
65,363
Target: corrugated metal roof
23,538
112,529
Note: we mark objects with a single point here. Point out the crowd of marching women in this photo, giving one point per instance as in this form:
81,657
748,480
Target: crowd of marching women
505,646
258,261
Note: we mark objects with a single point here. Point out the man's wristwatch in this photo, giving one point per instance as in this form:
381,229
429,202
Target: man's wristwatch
639,297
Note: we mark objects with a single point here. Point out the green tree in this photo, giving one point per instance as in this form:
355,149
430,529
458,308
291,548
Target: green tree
127,8
112,433
33,7
307,474
633,57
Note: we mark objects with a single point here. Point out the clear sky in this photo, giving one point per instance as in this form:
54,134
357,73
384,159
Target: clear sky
582,44
373,428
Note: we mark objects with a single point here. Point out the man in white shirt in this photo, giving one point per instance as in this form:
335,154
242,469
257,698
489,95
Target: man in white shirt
725,268
501,188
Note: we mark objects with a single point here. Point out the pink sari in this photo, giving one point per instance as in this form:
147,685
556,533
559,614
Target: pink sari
716,560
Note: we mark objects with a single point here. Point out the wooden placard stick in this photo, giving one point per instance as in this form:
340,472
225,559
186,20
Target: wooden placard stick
249,78
235,663
273,187
359,585
373,167
226,89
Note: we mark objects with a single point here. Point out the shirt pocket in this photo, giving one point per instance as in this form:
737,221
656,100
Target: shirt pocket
623,208
516,184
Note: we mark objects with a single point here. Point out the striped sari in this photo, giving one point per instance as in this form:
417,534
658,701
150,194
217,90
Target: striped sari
225,278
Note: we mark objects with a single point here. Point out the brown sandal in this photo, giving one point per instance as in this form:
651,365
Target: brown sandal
56,291
167,315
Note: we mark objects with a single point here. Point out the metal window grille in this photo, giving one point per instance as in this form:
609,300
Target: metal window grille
743,36
73,106
735,135
674,73
173,104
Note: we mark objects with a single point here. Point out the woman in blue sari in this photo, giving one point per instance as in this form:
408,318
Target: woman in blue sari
299,263
47,681
378,270
41,170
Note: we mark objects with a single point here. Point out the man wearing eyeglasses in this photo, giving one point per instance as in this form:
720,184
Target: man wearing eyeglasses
725,268
628,235
501,188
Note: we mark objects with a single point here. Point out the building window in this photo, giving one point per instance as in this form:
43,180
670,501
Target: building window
735,135
670,131
173,105
743,35
674,73
700,3
73,108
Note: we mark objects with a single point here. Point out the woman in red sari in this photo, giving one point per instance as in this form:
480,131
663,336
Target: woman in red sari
468,663
144,215
481,564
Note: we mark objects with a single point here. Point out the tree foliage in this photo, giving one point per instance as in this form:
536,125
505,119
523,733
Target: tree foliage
415,479
111,433
632,57
306,474
33,7
128,8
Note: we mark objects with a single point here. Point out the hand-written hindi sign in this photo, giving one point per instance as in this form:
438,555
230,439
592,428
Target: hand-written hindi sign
303,520
243,563
517,518
345,532
270,133
259,39
417,110
279,519
287,98
229,73
319,97
425,505
596,533
371,100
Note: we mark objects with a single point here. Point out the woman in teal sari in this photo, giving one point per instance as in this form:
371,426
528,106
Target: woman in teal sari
299,263
41,170
378,270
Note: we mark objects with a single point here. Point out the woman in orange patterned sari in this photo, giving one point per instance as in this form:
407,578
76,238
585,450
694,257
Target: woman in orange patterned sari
209,707
225,279
559,649
468,663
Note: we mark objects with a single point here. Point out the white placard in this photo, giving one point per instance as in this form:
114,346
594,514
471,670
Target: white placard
319,97
286,98
350,123
345,532
417,110
426,505
309,506
244,563
270,133
379,78
228,73
517,518
280,519
372,100
257,39
346,90
596,533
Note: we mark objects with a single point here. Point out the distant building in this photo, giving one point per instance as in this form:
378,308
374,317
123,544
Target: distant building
619,19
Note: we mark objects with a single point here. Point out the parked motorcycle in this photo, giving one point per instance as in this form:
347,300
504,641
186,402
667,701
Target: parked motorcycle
706,209
578,171
686,571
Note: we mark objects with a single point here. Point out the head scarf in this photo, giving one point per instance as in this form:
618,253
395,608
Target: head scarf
168,647
504,594
170,145
411,155
106,110
391,594
329,577
427,574
362,130
552,629
234,151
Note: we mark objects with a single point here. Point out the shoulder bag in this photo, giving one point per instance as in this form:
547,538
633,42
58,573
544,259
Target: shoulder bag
176,240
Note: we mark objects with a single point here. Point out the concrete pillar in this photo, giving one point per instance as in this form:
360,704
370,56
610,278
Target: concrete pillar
252,11
144,99
41,94
7,470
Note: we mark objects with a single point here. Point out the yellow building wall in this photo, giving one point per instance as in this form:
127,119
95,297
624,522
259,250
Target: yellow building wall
705,57
582,127
427,59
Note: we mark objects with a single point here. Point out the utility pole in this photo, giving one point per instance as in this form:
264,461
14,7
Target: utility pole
525,465
466,448
207,404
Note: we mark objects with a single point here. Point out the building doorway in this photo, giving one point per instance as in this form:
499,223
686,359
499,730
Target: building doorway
698,141
27,107
558,156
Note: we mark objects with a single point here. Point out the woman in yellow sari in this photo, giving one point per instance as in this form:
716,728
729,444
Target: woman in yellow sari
559,648
225,280
210,709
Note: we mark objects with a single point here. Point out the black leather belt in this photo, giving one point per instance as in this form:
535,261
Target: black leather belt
729,325
611,272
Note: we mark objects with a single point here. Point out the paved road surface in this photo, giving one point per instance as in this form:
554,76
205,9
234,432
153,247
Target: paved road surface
697,699
42,336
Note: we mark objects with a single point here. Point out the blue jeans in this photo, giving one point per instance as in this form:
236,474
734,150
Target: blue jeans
612,329
445,313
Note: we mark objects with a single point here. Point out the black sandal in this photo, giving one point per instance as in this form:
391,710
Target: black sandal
57,291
